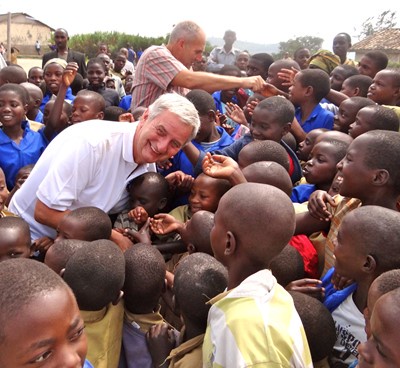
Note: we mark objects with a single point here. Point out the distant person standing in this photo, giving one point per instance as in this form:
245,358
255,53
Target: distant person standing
38,46
64,52
223,55
131,53
14,55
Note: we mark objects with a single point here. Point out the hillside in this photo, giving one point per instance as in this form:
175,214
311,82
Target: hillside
252,47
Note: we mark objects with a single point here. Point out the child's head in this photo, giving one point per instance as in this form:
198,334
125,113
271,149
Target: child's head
35,76
309,84
371,165
206,193
341,44
85,223
35,95
387,281
259,64
150,191
144,278
372,62
205,106
263,151
301,56
366,248
119,62
356,85
3,189
15,240
372,118
128,83
318,323
196,232
275,68
241,241
12,74
320,169
65,114
290,140
39,318
53,71
112,113
78,84
87,105
138,112
61,251
382,348
96,72
347,113
340,74
228,94
267,172
198,278
385,88
242,60
287,266
14,98
272,119
305,147
96,274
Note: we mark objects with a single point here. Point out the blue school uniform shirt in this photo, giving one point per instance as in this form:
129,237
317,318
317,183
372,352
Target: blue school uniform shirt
319,118
14,156
39,117
301,193
87,364
69,97
125,102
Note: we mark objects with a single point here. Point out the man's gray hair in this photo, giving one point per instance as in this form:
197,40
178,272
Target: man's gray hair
187,30
178,105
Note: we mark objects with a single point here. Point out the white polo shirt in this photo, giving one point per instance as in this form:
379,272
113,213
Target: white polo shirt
88,164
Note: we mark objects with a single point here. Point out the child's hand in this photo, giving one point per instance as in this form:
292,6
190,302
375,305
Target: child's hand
42,244
340,282
249,108
270,90
123,242
287,75
311,287
180,180
160,341
70,72
317,205
140,236
139,215
127,117
218,166
169,278
164,165
163,223
235,113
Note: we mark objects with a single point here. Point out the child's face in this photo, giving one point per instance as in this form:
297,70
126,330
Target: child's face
70,228
128,84
297,91
207,124
218,236
321,167
53,77
347,89
337,78
265,127
3,190
305,147
274,79
302,58
346,115
146,196
119,63
203,195
382,348
361,123
83,108
47,333
355,174
96,74
255,67
242,61
382,88
12,109
36,77
366,66
373,295
13,244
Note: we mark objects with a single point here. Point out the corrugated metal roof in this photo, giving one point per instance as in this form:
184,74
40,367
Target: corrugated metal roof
388,39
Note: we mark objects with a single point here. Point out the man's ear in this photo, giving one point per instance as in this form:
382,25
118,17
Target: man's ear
118,298
230,244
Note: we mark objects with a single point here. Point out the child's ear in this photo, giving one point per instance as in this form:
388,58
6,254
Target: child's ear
381,177
38,101
62,272
230,244
286,129
370,264
211,115
118,298
100,115
191,248
162,203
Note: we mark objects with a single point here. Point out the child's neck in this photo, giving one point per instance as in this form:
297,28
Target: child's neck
384,199
307,108
360,295
213,137
238,273
192,330
324,187
14,132
31,115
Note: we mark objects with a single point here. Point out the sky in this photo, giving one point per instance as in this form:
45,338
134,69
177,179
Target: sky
259,21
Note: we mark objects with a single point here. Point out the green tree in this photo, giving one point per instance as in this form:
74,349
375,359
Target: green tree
290,46
385,20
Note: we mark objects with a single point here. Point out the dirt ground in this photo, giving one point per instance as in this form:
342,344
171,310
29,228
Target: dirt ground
29,63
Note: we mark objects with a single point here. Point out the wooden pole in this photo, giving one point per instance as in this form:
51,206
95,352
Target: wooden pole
9,37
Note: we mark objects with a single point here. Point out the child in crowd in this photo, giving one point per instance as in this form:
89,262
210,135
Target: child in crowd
149,194
264,306
144,284
320,169
12,74
88,105
309,87
340,74
259,64
3,196
85,223
53,75
113,113
22,174
305,146
96,72
301,56
275,68
271,120
356,85
242,61
199,277
40,319
96,274
60,252
33,113
372,62
347,113
35,76
364,250
20,146
15,240
374,117
118,82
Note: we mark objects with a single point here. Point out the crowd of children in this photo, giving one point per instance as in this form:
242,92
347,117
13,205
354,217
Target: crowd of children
268,240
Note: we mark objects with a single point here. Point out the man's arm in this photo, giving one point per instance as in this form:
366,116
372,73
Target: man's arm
212,82
48,216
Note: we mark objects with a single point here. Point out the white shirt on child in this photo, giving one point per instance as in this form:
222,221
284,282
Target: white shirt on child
88,164
350,331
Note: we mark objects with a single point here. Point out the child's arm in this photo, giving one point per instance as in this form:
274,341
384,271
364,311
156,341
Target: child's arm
53,124
336,97
235,112
297,131
223,167
140,236
160,341
43,244
163,223
312,287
